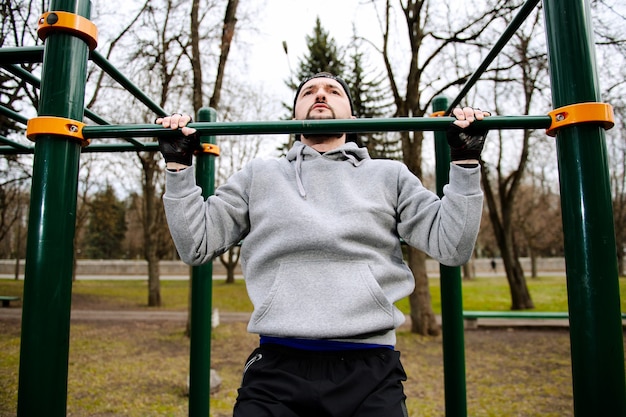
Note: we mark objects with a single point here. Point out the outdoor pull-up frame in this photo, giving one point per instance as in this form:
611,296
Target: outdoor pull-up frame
592,278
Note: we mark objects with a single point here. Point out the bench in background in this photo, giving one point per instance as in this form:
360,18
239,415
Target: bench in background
6,299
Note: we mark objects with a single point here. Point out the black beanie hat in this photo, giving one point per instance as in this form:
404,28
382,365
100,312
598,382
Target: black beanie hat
350,137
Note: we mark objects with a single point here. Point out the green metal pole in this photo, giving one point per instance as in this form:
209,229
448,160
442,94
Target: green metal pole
451,297
201,295
49,258
590,251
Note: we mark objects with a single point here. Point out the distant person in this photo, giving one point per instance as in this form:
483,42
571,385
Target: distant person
493,265
322,257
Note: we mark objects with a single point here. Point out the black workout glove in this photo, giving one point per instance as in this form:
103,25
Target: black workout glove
180,148
465,143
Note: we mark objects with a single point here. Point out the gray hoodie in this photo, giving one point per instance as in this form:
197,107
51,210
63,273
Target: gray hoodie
322,254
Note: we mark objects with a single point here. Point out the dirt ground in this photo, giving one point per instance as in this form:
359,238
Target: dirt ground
139,368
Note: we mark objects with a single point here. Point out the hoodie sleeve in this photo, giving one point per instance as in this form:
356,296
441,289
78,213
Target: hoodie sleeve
203,229
447,228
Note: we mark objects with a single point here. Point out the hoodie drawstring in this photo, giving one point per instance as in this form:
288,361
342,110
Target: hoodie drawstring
298,167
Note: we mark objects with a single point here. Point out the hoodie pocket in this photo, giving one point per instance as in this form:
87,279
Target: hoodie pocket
322,299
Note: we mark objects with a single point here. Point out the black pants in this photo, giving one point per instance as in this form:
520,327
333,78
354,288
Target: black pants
285,382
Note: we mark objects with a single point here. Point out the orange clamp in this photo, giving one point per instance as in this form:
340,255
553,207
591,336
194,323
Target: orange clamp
581,113
68,22
210,149
440,113
50,125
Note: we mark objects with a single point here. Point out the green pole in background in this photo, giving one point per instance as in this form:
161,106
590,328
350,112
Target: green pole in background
590,250
44,346
201,295
451,296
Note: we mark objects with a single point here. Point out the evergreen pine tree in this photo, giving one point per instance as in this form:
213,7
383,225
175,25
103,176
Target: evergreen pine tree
370,96
371,100
324,55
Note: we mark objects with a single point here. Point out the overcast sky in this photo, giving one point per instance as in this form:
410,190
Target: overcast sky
292,21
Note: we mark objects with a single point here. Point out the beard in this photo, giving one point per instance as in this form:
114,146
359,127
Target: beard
323,136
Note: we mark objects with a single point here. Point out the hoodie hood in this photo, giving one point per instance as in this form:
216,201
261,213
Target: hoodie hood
349,152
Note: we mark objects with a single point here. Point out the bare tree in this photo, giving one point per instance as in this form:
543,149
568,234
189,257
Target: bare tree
501,183
237,151
428,39
537,216
618,184
86,183
161,57
17,29
609,18
14,200
228,32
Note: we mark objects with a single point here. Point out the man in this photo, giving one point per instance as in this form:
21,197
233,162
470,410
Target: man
321,254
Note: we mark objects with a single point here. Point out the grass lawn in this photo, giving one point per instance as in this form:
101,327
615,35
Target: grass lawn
127,368
139,369
490,294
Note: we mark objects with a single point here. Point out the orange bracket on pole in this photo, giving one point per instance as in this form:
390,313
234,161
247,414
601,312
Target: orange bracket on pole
49,125
68,22
210,149
601,113
438,114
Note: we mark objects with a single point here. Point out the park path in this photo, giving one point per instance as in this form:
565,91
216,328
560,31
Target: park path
15,313
121,315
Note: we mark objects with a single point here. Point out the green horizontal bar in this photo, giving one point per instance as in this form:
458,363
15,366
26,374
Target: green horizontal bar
121,147
518,315
93,148
21,55
10,150
316,126
279,127
15,145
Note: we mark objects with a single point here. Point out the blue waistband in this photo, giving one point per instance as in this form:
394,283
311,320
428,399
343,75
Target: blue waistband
320,345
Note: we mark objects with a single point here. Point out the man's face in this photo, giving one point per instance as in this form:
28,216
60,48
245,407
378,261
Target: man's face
322,98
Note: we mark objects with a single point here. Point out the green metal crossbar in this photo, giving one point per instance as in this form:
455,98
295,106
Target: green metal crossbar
518,315
283,127
396,124
21,55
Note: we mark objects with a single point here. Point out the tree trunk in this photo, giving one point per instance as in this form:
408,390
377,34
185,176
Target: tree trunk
423,320
469,270
230,259
228,31
18,245
154,282
151,228
17,267
422,315
520,296
196,64
533,263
